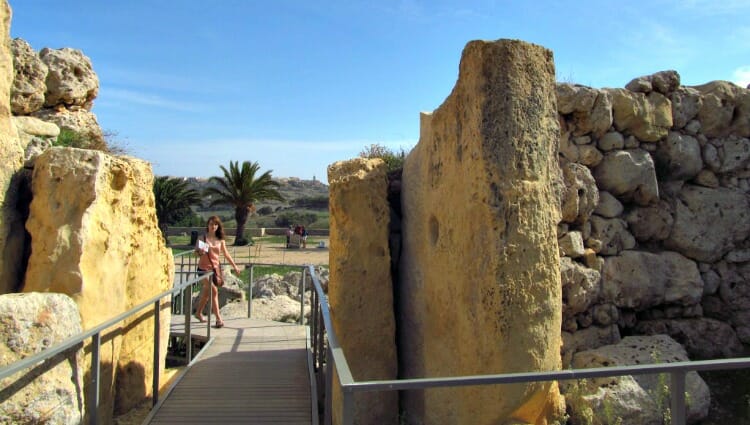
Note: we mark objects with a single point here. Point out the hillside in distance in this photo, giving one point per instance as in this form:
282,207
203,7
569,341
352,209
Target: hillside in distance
291,188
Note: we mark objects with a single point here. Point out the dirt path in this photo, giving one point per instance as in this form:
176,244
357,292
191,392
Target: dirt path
277,253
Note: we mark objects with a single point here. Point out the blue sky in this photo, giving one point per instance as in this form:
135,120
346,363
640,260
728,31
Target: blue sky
297,85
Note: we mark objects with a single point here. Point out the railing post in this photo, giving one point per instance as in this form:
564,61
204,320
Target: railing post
348,410
321,339
328,412
93,409
250,294
314,326
677,389
302,298
188,291
210,289
155,383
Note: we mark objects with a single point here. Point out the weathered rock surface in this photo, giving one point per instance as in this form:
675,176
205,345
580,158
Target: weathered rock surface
490,152
580,286
686,102
629,175
679,157
79,120
613,234
29,82
639,280
35,136
95,237
71,80
586,339
641,403
581,194
702,337
648,117
708,222
360,267
652,223
11,158
53,394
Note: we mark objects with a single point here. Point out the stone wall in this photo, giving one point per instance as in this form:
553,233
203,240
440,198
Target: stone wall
656,215
653,232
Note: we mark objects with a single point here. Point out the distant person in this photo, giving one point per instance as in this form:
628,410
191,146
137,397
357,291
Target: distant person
288,236
209,247
303,232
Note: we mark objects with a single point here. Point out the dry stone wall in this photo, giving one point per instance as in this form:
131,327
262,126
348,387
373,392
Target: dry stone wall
653,234
656,217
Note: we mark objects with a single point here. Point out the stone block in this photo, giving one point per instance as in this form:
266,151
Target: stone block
480,199
360,290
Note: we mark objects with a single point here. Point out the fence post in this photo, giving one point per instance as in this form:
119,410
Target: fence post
188,291
677,389
329,385
250,294
155,383
302,298
96,341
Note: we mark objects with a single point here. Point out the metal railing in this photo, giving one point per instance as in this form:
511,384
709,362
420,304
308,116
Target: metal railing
321,325
76,342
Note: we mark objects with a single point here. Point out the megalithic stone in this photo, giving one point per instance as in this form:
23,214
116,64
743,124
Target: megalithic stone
479,288
360,291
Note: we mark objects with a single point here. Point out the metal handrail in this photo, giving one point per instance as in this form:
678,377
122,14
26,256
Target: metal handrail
349,387
95,334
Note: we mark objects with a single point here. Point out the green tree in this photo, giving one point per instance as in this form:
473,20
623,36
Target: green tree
393,160
173,198
240,189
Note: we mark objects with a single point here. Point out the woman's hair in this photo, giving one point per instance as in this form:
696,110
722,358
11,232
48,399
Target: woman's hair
219,230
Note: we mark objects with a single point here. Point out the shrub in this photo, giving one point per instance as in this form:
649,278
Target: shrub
290,218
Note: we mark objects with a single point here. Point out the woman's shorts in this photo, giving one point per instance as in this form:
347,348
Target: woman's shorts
201,272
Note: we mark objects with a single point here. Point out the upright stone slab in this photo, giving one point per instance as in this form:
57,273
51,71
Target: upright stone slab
95,237
480,290
11,162
359,290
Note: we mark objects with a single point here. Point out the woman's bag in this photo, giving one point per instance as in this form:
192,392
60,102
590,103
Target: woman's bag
217,277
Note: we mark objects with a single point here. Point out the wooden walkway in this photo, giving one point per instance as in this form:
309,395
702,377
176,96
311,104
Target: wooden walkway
254,372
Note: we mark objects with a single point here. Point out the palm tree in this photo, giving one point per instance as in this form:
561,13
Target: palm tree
241,189
173,198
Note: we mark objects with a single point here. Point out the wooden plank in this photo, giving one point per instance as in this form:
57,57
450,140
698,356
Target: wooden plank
255,372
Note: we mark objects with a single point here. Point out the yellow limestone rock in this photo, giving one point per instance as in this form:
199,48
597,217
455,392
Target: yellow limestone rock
11,162
95,237
360,290
479,288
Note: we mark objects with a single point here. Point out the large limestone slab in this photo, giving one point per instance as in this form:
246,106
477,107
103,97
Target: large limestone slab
480,288
360,290
52,392
11,162
95,237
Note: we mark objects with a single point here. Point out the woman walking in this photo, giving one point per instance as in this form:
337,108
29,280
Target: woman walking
209,248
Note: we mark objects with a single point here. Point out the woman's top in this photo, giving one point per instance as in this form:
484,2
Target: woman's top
208,262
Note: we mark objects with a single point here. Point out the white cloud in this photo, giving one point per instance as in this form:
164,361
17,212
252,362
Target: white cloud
131,96
741,76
